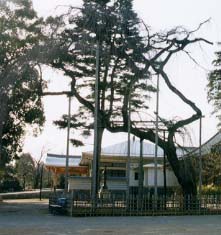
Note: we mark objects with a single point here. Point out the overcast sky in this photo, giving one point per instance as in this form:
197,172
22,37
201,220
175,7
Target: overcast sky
187,76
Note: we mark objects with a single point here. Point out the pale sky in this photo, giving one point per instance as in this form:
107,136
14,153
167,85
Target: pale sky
187,76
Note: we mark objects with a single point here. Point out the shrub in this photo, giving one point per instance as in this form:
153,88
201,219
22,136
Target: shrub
10,185
211,189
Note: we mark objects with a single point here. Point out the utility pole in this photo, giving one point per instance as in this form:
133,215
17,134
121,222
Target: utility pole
156,142
67,147
128,145
95,164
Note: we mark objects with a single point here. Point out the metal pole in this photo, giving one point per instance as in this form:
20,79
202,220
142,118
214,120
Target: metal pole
164,172
95,170
200,156
67,147
128,144
156,141
40,193
140,176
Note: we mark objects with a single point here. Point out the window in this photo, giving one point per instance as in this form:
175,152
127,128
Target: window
116,173
113,164
136,176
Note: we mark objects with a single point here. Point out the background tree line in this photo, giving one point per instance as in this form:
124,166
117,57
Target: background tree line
26,173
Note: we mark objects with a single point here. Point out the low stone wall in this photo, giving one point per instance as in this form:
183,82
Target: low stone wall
27,195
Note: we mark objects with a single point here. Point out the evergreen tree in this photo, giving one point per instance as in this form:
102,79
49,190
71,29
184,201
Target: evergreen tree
20,30
114,27
214,86
25,169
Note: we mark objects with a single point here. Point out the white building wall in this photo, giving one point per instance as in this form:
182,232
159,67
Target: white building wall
79,183
84,183
149,178
133,182
119,184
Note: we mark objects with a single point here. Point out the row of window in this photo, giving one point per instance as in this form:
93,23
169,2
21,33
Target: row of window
116,173
113,164
120,173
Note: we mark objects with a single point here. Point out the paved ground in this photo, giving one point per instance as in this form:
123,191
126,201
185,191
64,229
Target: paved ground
31,217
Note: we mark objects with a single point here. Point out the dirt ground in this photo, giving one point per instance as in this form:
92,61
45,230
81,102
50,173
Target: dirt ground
31,217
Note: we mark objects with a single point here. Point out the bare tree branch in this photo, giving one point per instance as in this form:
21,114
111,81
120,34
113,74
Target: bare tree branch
50,93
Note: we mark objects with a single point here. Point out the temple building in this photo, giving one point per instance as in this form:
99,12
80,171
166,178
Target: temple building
113,160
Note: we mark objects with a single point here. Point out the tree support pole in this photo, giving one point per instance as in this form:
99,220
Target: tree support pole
200,161
95,164
164,173
40,188
67,147
140,175
128,147
156,144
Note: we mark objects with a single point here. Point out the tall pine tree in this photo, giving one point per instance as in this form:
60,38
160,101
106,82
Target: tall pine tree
114,26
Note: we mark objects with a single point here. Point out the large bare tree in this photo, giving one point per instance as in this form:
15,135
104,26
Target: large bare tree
129,58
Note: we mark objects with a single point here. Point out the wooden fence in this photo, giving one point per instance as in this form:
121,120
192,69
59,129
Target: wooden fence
80,204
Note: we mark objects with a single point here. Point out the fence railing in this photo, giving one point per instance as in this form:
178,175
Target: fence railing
80,204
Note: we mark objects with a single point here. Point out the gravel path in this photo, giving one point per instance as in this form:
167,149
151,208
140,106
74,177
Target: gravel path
31,217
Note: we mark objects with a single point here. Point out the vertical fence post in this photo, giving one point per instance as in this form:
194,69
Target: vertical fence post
72,202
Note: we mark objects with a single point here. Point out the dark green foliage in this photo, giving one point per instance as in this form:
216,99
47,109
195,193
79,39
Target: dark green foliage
24,107
76,143
101,2
122,65
8,180
211,166
61,183
214,86
211,174
20,31
10,184
25,171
